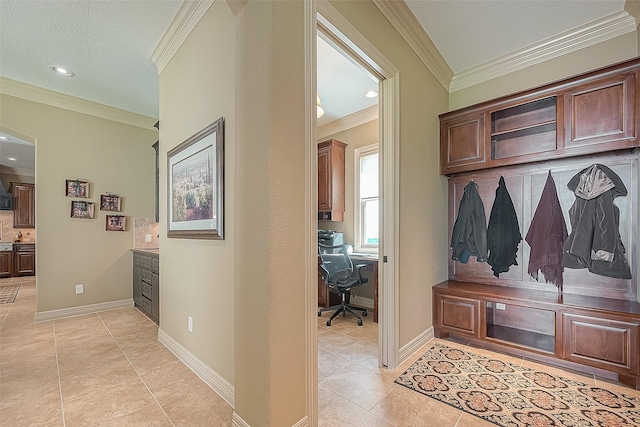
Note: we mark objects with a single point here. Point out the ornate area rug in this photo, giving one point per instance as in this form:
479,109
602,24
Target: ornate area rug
8,293
510,395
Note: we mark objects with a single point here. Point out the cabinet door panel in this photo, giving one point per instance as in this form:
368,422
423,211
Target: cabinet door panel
462,143
459,315
137,286
324,179
6,264
604,343
601,112
24,213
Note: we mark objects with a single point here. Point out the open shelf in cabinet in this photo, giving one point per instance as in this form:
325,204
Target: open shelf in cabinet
528,327
524,129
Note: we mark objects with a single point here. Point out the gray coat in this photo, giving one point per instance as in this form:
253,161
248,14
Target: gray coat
595,242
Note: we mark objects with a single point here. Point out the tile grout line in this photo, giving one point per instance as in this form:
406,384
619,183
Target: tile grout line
55,345
136,371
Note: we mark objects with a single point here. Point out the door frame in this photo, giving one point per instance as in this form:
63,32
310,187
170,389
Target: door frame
389,142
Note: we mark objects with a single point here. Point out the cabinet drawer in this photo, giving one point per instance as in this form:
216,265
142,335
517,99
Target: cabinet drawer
603,343
155,265
147,290
146,276
146,305
458,315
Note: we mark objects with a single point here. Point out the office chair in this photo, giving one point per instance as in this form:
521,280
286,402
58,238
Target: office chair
337,271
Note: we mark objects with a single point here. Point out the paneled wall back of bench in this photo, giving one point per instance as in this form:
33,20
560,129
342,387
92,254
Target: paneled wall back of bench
525,184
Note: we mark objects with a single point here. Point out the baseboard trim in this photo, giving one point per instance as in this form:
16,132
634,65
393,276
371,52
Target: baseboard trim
82,309
214,380
412,346
237,421
361,301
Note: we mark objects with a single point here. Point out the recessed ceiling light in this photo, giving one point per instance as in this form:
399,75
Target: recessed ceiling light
4,138
61,70
13,159
371,93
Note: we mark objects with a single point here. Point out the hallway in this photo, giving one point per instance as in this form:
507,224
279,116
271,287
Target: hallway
106,369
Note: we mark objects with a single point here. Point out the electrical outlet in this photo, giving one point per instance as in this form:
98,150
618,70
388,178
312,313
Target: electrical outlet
500,306
190,324
79,289
147,238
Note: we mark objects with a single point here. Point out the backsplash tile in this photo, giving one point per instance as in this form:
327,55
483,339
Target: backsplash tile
141,228
9,233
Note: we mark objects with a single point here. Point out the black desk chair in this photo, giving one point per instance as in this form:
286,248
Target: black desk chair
339,275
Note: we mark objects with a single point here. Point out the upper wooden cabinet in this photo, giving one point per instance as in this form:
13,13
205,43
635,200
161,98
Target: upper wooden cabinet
331,180
24,214
589,113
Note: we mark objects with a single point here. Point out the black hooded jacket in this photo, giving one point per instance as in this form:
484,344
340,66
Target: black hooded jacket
503,232
595,242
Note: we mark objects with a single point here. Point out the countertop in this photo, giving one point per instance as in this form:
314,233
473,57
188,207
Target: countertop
147,251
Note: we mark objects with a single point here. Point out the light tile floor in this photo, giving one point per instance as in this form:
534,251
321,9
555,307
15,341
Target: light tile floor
354,391
109,369
106,369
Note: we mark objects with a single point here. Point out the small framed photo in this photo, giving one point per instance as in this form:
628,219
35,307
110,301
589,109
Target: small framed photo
82,209
195,194
110,202
116,223
77,188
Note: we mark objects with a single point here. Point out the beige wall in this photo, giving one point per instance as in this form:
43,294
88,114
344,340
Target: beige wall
114,157
356,137
423,192
196,276
609,52
246,64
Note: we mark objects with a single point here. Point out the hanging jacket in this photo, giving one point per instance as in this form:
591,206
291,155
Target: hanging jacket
595,242
546,236
503,232
469,235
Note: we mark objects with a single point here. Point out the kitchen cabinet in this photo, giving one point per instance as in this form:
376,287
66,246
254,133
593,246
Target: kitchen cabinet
331,173
6,263
24,256
146,283
591,334
586,114
24,214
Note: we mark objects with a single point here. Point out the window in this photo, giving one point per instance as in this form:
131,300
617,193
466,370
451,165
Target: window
366,199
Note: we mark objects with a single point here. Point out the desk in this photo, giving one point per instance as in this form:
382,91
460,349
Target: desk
371,263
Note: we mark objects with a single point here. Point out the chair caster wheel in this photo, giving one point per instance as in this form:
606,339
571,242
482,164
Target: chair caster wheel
328,322
359,322
364,314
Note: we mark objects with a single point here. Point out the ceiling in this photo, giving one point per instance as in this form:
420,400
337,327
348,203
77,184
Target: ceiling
107,44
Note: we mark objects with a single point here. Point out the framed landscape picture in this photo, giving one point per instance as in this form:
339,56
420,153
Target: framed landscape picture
195,175
82,209
116,223
110,202
77,188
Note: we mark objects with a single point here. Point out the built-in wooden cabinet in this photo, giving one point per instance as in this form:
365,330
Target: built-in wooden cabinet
24,259
586,114
331,175
24,214
590,334
146,283
6,263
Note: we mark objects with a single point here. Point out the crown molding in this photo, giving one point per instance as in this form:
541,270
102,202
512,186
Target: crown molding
347,122
72,103
592,33
633,8
183,23
405,22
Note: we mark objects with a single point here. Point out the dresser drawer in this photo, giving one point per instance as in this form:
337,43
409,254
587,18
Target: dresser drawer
146,305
